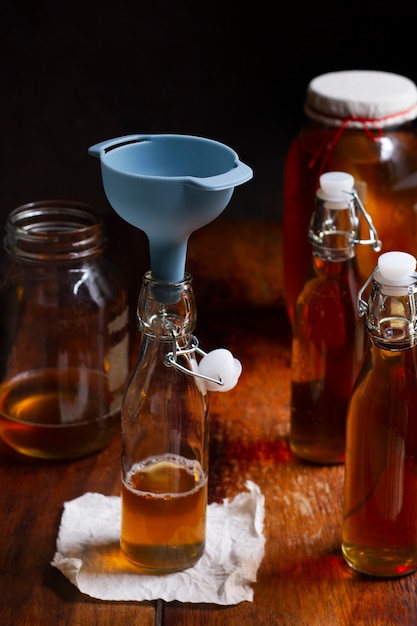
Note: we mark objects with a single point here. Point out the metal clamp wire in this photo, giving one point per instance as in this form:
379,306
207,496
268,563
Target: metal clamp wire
171,359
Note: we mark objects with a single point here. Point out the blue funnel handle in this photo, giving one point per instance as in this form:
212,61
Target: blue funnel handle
236,176
101,147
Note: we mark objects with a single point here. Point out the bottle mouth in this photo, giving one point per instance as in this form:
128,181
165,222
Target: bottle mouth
166,309
54,230
391,315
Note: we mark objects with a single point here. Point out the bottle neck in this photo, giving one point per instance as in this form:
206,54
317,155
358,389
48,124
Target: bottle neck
391,319
334,230
166,311
54,231
166,316
334,267
333,255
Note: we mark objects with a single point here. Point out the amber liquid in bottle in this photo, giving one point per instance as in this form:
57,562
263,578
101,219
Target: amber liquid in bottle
327,354
380,511
164,513
381,182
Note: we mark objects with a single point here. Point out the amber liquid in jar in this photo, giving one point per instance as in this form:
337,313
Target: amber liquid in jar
385,176
327,354
380,510
164,503
58,413
64,330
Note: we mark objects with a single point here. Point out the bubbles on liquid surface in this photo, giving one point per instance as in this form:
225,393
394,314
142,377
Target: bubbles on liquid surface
167,475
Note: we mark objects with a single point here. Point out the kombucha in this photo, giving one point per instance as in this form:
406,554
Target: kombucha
380,510
164,503
58,413
328,352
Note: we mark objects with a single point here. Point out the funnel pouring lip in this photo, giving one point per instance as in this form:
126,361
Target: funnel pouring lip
105,147
175,159
164,142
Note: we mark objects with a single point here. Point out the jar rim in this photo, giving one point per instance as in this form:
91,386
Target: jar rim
54,230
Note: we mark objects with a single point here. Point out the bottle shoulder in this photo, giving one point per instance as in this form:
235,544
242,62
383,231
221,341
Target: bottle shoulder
389,367
329,279
155,383
326,312
386,385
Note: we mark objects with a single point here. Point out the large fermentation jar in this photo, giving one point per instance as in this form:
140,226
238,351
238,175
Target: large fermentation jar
359,122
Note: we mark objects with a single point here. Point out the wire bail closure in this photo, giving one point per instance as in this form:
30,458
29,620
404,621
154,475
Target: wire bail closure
373,240
362,304
170,359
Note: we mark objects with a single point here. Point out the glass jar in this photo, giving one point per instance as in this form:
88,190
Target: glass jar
165,432
359,122
63,333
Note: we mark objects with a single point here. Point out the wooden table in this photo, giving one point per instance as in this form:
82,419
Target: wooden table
302,579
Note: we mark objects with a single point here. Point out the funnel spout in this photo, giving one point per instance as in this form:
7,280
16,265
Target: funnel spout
168,260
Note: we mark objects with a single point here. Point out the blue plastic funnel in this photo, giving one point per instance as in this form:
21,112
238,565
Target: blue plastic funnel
168,186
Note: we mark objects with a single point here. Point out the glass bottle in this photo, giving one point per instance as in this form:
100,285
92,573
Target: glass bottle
379,535
360,122
328,336
63,332
165,429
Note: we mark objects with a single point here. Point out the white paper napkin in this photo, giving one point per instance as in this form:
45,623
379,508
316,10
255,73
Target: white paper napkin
88,553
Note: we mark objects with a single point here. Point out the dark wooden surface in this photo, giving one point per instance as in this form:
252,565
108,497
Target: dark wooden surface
302,580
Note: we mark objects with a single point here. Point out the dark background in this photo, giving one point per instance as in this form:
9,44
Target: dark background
75,73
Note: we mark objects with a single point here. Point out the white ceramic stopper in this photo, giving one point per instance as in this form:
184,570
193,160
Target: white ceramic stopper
335,185
396,267
220,363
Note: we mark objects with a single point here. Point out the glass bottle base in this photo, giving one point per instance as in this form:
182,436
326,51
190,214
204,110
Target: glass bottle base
380,562
162,559
323,453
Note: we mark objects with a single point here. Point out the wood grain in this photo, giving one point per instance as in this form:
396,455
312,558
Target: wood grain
302,580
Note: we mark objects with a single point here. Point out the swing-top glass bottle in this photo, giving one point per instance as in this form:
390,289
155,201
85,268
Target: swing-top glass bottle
379,535
328,336
165,435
